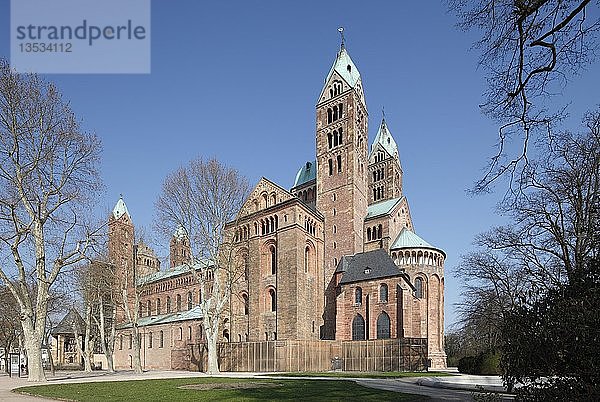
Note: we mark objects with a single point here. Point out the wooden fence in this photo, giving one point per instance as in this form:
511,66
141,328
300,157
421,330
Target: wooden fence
405,354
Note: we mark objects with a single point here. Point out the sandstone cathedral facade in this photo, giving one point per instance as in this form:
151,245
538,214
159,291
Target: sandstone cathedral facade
334,257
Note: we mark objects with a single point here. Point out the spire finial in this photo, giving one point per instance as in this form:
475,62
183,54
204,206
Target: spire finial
383,113
341,31
121,196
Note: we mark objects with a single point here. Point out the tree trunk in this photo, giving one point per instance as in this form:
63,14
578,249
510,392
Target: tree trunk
88,345
33,347
51,361
107,344
110,345
137,361
213,358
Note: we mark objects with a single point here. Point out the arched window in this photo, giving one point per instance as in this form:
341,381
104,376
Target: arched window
329,116
369,234
379,232
178,302
158,307
419,288
149,340
190,332
273,253
339,163
306,258
199,296
273,297
168,304
149,312
189,301
358,328
383,293
329,140
161,339
246,302
330,162
383,326
358,295
264,201
180,333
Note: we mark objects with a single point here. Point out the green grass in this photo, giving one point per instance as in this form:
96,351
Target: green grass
167,390
362,374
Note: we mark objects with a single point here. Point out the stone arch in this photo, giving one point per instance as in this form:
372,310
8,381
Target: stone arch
265,203
434,311
419,287
271,299
309,257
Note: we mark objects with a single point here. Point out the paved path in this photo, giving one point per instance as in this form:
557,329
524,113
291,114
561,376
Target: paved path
406,385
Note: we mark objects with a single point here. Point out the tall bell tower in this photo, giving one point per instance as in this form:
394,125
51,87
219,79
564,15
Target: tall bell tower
121,238
341,148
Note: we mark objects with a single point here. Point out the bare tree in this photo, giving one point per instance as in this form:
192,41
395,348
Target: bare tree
10,323
529,50
104,310
553,231
202,198
89,280
48,172
547,248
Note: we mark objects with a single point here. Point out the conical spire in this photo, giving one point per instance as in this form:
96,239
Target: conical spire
345,67
385,139
180,233
120,209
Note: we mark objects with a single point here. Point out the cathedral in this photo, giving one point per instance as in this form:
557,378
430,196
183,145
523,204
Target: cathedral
336,257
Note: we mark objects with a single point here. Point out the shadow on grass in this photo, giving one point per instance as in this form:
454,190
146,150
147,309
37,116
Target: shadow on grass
164,390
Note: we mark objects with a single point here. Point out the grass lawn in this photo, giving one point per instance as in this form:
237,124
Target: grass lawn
169,390
362,374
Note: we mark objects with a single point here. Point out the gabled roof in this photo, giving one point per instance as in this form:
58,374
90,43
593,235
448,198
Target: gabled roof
65,326
385,139
175,271
306,173
120,209
193,314
367,266
264,186
345,67
408,239
382,208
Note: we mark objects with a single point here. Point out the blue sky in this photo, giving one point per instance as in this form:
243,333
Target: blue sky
238,80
